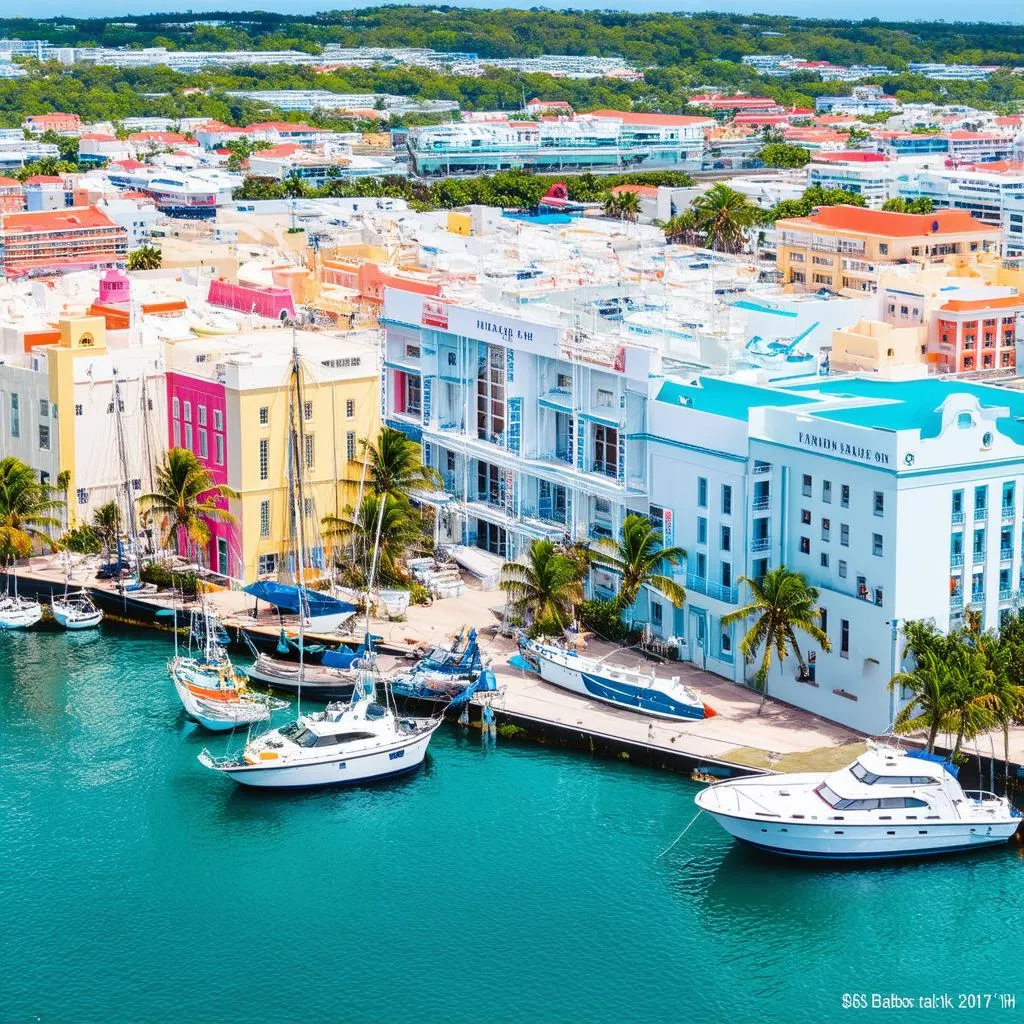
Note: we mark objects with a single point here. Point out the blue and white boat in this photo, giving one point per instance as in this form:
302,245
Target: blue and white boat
628,688
461,660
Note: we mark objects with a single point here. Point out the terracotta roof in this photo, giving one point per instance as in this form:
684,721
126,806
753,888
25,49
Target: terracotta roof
55,116
72,218
43,179
986,136
170,138
9,182
98,137
284,149
862,221
968,305
128,165
640,190
631,117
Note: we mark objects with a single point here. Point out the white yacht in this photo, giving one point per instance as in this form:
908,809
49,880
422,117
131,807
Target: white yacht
888,803
346,743
76,611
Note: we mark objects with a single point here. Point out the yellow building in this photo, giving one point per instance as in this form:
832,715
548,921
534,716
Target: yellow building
873,346
230,401
847,248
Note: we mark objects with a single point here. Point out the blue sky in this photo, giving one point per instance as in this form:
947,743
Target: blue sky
994,10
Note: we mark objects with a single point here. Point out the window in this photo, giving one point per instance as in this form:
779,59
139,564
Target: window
826,491
807,484
188,412
979,544
201,410
264,415
824,559
606,450
490,393
267,565
175,407
78,409
350,408
702,566
883,248
218,419
563,381
844,535
702,492
805,516
805,545
879,503
726,538
307,411
702,530
726,642
177,434
218,440
264,518
83,496
350,448
844,638
15,415
264,459
310,449
307,507
823,619
604,398
44,437
958,503
44,408
656,613
726,500
980,499
876,544
413,397
844,495
842,569
727,574
449,457
760,568
203,449
412,351
188,436
826,528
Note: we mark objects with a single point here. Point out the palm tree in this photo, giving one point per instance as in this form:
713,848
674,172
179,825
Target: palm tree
146,257
625,205
399,531
929,685
639,558
723,215
682,229
395,464
189,497
106,521
783,603
546,587
26,510
63,483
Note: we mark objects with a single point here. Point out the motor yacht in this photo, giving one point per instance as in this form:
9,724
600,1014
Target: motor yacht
887,803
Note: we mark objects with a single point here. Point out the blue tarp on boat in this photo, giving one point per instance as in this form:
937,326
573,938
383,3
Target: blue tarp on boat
286,597
923,755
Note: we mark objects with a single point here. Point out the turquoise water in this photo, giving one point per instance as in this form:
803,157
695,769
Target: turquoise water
510,884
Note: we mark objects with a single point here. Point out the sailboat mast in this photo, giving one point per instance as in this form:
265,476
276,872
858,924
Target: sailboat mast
296,495
125,478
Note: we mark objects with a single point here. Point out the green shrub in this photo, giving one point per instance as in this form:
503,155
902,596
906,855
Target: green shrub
602,617
419,594
82,540
162,576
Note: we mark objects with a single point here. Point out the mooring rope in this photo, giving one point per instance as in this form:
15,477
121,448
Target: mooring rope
680,836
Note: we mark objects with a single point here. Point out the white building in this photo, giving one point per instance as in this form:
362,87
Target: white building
982,191
862,172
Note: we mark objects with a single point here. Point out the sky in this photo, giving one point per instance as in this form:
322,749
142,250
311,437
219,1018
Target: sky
951,10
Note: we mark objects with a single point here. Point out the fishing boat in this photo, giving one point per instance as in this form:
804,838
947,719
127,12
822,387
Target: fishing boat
361,741
210,690
886,803
76,611
622,687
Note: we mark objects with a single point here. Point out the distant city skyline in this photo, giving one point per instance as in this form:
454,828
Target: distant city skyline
911,10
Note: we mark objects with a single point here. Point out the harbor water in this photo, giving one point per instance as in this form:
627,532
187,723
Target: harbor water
505,883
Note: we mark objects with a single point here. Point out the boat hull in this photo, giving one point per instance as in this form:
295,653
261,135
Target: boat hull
326,690
219,716
619,694
863,842
22,617
335,771
77,621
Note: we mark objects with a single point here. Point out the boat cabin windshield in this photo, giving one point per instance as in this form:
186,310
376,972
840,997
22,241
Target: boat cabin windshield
861,774
308,738
839,803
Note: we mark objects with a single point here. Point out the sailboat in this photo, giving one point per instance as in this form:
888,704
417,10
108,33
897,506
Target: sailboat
359,741
333,678
18,612
75,610
209,689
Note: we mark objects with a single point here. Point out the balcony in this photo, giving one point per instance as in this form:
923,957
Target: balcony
958,519
980,513
761,504
1008,511
956,559
977,596
700,585
1005,554
956,599
1005,593
760,468
760,544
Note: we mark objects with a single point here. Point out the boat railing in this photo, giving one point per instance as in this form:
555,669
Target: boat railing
982,795
227,761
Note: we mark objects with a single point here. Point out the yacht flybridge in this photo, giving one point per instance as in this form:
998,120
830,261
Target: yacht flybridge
888,803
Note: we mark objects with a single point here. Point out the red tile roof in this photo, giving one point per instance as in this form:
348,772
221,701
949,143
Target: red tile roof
43,179
128,165
73,218
168,138
967,305
650,191
893,225
632,117
9,182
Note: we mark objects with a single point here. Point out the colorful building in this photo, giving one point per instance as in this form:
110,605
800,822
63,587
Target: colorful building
977,334
51,241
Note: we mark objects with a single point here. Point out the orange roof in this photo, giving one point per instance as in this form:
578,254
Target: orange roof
967,305
9,182
631,117
72,218
283,149
43,179
862,221
55,116
640,190
988,137
998,166
98,137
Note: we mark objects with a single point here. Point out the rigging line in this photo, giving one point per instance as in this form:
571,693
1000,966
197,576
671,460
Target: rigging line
680,836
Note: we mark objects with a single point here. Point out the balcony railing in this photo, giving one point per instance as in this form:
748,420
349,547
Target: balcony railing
1008,511
1004,593
981,513
1005,554
956,600
956,558
760,504
761,467
760,544
958,518
977,596
701,585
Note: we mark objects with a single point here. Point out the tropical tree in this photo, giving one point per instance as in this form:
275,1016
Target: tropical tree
625,205
929,688
395,465
639,558
395,533
546,587
781,154
146,257
106,521
188,496
682,229
27,510
782,604
63,484
723,215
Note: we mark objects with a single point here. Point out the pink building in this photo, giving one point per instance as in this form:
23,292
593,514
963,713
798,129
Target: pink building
196,414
